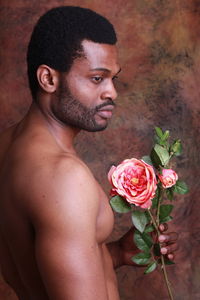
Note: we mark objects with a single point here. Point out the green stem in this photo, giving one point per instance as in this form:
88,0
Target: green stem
154,222
162,257
158,207
166,277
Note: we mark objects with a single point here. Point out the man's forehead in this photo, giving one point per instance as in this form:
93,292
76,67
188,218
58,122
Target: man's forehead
101,56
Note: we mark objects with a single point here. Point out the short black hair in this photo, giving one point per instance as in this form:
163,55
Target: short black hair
57,36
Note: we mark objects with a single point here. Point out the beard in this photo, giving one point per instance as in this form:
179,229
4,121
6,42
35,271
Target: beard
72,112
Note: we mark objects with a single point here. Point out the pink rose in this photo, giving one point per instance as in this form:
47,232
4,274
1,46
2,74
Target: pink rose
168,178
134,180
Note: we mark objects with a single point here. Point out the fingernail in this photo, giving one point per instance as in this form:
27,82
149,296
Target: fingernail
162,238
162,227
163,250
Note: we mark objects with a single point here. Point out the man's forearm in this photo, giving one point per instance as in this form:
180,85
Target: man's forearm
123,250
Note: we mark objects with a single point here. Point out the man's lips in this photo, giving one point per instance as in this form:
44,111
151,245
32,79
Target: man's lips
106,111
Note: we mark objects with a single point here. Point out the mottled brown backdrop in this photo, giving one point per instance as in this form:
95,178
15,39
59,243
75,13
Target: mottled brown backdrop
159,47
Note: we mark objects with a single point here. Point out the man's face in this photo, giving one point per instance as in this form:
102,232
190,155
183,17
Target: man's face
86,93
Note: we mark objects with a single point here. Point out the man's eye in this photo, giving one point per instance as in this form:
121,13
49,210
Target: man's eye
97,79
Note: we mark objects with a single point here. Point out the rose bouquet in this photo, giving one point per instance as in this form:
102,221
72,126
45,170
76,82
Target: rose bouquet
146,188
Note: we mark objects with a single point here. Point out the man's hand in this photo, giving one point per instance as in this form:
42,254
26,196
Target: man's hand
123,250
168,242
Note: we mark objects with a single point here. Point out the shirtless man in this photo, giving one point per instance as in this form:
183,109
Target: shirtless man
54,216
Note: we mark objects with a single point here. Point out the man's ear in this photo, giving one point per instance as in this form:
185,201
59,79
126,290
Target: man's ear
48,78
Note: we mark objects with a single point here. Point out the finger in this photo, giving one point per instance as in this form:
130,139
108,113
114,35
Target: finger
171,256
163,227
171,237
169,249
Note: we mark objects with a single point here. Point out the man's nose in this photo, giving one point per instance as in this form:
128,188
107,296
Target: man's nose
109,92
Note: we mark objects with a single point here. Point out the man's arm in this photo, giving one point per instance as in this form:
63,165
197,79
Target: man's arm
64,214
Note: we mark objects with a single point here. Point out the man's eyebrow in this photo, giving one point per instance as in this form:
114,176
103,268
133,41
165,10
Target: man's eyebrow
105,70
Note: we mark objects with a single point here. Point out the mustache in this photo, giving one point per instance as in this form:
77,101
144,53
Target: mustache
109,102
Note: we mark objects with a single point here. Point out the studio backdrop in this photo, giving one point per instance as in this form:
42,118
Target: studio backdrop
159,51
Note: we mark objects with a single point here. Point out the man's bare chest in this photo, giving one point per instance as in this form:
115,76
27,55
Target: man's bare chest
105,219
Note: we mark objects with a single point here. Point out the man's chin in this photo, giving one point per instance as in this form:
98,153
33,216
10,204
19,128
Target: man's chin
96,129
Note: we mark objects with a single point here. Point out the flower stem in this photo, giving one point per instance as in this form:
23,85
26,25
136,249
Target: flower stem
166,277
162,258
158,207
154,222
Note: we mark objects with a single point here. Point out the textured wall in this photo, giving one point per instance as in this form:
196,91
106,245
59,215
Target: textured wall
159,47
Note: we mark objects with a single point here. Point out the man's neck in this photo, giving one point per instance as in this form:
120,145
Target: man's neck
62,133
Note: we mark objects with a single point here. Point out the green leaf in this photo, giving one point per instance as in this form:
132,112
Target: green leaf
156,199
119,204
141,258
176,147
156,139
147,216
149,228
155,159
162,143
139,220
159,132
154,202
170,193
165,210
151,267
166,219
147,160
143,241
159,156
181,187
165,135
163,140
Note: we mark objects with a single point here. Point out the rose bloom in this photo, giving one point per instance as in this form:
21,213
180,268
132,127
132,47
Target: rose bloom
168,178
134,180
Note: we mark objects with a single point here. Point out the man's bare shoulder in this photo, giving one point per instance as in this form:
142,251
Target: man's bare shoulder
60,183
44,179
36,160
55,171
